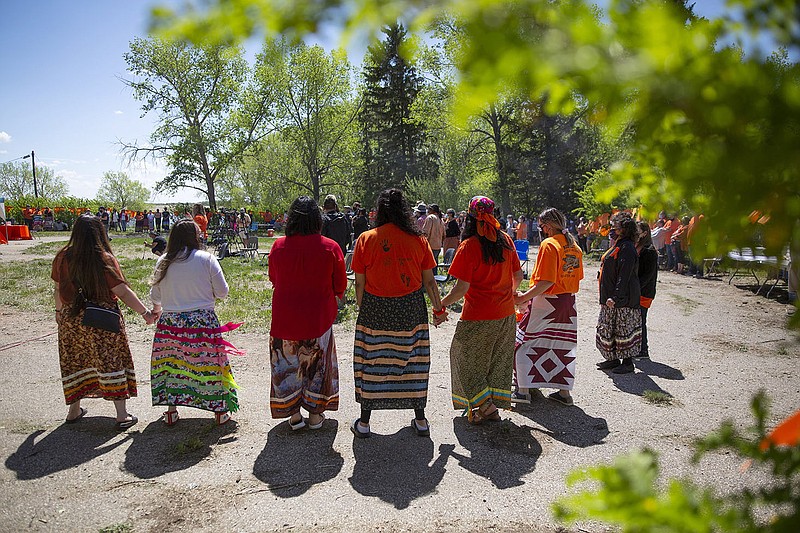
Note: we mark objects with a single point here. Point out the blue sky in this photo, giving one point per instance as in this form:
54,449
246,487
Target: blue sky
61,95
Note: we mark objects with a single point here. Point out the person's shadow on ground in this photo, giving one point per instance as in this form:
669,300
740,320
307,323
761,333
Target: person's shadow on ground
397,468
160,449
660,370
636,383
568,424
292,461
64,447
501,452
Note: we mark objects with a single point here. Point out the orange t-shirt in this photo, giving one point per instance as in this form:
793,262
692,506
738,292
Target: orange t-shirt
201,221
392,260
491,286
560,263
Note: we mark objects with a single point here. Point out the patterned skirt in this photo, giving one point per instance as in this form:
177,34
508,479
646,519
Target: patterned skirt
304,374
481,361
619,332
190,365
391,354
94,363
547,341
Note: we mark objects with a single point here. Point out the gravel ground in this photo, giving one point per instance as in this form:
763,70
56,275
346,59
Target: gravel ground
713,346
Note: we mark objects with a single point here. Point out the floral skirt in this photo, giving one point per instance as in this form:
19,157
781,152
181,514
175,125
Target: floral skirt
304,374
94,363
619,332
481,363
190,366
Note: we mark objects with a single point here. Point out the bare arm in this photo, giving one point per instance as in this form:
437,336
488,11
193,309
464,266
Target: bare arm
131,300
456,293
431,288
361,281
540,288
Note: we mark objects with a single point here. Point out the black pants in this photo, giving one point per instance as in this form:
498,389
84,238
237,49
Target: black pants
644,352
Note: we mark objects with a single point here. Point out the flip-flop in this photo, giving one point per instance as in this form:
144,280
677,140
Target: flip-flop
357,432
77,418
318,425
426,432
300,424
125,424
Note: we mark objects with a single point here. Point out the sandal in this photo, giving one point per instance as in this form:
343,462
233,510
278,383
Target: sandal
222,418
357,432
125,424
81,414
300,424
492,416
318,425
170,417
426,432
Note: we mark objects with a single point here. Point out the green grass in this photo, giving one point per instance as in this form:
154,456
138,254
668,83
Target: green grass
27,286
190,445
658,397
686,305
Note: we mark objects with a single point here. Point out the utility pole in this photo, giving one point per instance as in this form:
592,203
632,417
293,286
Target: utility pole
35,188
33,166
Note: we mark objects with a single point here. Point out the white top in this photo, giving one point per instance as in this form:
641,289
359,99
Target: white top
192,284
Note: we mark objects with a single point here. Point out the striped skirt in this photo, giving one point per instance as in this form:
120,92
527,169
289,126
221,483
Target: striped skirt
481,362
391,355
304,374
94,363
190,365
547,341
619,332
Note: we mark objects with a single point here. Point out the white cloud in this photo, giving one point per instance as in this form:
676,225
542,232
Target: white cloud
118,112
5,137
3,151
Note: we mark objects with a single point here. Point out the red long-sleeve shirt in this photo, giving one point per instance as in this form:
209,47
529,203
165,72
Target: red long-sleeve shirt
306,271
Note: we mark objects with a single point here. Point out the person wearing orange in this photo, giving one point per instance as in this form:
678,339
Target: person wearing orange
487,270
547,335
199,216
391,356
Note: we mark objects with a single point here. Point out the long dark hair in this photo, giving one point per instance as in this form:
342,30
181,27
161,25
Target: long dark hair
393,208
86,253
304,217
492,251
183,238
644,237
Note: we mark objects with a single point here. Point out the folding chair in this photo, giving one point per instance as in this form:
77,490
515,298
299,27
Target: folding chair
522,248
443,279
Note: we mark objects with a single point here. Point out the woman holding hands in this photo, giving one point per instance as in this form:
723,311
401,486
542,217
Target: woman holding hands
547,335
95,363
487,270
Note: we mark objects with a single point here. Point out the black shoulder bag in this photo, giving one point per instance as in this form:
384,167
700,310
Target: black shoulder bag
97,316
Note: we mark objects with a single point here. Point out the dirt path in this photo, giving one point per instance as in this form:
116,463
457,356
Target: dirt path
713,346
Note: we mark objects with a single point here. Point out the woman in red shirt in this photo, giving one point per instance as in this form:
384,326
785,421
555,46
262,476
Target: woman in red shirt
547,335
488,272
307,272
392,348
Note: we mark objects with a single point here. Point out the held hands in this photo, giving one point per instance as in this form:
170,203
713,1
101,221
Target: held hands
439,317
520,298
151,317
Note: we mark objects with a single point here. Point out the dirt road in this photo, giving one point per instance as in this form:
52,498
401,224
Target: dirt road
713,345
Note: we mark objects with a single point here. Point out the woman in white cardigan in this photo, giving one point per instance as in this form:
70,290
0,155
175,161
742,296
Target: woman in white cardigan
190,365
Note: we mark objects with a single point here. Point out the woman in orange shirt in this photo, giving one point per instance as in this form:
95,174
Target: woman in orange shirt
391,356
199,216
547,335
487,270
